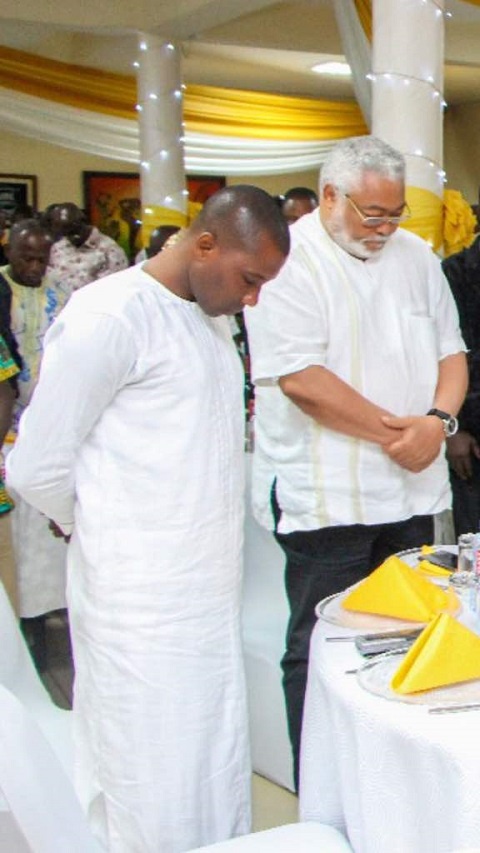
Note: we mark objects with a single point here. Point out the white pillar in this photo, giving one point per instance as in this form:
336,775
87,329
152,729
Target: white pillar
407,97
160,118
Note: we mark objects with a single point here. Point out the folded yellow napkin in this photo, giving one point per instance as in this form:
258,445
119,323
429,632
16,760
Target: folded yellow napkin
427,568
446,652
427,549
395,589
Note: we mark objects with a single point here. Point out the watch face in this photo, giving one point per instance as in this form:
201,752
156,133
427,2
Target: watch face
451,426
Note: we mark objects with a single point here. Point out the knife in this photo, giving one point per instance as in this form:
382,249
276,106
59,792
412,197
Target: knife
453,709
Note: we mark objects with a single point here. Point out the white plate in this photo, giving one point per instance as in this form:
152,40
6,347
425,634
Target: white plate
331,610
375,678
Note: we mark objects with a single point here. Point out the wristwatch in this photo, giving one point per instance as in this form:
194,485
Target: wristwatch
450,424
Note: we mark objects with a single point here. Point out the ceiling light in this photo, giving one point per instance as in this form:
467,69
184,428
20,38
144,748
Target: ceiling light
338,69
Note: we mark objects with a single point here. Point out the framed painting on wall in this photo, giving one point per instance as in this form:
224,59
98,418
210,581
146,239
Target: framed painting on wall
17,191
112,203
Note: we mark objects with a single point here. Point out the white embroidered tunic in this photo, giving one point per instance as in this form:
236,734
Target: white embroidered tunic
134,438
381,325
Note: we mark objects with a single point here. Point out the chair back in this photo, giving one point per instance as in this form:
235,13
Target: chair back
19,676
308,837
39,794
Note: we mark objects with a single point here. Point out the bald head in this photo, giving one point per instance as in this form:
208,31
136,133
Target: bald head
68,220
297,202
238,242
237,216
28,252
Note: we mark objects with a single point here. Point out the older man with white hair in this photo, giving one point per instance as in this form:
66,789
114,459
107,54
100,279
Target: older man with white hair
360,370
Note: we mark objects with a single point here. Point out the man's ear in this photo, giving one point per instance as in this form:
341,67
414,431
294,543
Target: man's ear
205,243
329,194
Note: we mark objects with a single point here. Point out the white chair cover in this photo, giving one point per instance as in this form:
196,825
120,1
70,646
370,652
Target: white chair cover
18,674
265,618
37,790
291,838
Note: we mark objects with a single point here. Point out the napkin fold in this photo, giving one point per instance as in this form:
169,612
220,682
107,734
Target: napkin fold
446,652
397,590
432,570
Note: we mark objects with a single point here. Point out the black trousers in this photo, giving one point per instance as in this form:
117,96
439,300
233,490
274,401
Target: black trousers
466,500
320,563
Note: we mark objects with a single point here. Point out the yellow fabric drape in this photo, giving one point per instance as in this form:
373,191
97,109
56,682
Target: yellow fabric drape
225,112
86,88
426,220
236,112
364,12
459,222
448,224
154,215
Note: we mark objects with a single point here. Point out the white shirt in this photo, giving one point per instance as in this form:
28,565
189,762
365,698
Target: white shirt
135,436
381,325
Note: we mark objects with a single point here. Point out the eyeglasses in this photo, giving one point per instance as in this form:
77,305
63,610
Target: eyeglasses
376,221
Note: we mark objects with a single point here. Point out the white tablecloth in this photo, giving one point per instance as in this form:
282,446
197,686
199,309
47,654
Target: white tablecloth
388,774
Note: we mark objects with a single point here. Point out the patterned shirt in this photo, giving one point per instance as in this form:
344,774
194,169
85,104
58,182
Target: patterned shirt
8,369
72,267
32,311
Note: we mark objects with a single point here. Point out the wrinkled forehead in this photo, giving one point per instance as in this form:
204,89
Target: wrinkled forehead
27,242
375,182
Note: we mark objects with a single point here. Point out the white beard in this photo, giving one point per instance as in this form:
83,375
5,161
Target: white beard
357,248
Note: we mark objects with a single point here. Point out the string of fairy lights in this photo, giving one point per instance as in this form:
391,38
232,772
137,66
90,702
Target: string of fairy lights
160,115
407,85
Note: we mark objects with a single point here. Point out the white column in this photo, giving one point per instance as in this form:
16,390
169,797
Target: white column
160,118
407,88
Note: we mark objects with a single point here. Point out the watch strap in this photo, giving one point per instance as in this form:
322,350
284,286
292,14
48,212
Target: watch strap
450,423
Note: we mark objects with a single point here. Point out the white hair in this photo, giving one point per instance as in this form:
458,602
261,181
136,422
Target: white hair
348,161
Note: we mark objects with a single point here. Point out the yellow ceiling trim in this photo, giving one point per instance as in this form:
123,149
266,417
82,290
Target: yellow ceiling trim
74,85
237,112
207,109
364,12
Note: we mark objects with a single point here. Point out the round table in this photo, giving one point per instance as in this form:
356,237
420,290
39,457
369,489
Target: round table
390,775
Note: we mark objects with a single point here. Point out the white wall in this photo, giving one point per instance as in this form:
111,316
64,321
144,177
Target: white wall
462,149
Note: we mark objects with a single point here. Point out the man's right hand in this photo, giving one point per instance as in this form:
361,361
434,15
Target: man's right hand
57,531
460,449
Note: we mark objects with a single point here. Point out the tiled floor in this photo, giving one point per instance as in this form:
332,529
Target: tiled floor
272,805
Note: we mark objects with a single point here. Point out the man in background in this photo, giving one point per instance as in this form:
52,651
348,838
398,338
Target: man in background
133,443
463,449
158,238
359,370
297,202
81,253
8,390
31,303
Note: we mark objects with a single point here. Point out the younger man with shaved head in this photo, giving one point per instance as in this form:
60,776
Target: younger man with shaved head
133,444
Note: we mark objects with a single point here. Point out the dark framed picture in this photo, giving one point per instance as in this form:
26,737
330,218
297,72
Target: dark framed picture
18,191
112,202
